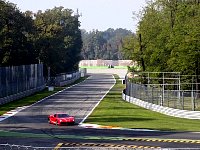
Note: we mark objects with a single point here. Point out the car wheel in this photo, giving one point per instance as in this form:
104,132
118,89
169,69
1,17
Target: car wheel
57,123
49,121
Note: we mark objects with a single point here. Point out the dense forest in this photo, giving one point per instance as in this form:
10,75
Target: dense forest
52,37
168,37
105,45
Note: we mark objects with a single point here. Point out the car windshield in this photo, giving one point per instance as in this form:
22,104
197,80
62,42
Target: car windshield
63,115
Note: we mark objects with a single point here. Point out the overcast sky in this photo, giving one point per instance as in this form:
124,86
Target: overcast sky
96,14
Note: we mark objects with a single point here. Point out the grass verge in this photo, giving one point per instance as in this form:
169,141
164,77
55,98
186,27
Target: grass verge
34,98
114,111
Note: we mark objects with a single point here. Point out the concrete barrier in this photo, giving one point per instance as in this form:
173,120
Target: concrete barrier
13,97
70,79
161,109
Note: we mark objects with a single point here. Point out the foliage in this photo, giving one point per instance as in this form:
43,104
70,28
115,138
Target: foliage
52,37
58,39
128,47
16,28
169,37
133,68
103,44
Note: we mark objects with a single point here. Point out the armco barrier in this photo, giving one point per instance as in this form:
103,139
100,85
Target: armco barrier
161,109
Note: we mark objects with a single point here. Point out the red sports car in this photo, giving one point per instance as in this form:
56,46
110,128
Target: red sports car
61,119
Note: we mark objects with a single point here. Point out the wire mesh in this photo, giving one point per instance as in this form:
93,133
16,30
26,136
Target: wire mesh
165,89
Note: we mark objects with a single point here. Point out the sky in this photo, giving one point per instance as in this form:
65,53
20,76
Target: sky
96,14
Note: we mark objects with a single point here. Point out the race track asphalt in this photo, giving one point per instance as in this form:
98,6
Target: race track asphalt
30,127
77,101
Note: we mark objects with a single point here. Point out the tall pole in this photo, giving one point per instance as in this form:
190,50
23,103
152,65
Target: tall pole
192,95
197,77
163,94
179,87
49,74
142,59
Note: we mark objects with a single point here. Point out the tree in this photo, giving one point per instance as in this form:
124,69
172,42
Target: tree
16,47
103,44
169,31
52,38
58,39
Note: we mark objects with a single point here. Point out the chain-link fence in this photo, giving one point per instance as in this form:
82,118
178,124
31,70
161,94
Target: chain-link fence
18,79
170,90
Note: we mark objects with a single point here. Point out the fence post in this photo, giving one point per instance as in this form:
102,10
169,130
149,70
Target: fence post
183,100
192,95
163,88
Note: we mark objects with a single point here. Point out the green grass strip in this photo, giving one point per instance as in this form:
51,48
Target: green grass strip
114,111
33,135
73,136
34,98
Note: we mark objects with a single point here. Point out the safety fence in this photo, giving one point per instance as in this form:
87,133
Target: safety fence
66,78
20,81
170,90
162,109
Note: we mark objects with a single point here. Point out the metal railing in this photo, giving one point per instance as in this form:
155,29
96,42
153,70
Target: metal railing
171,92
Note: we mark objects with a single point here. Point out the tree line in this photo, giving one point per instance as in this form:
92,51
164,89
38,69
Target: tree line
105,45
168,40
51,37
168,37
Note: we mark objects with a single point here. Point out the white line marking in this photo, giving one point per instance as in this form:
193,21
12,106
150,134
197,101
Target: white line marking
98,102
18,109
96,126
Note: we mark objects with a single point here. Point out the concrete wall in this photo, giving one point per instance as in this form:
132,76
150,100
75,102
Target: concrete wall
13,97
73,78
100,62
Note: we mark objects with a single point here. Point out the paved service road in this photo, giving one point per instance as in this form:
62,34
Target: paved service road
29,127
